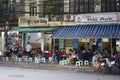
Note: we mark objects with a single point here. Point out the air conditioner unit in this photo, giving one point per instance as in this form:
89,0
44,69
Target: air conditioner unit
68,17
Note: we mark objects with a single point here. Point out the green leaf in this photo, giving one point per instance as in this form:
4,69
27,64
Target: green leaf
50,9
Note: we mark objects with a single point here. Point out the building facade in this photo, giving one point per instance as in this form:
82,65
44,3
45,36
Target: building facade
64,12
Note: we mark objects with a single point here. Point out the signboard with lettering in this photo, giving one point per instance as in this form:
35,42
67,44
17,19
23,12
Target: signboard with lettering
96,18
39,22
31,21
24,21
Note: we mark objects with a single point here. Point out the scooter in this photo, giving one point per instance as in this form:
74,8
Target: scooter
109,67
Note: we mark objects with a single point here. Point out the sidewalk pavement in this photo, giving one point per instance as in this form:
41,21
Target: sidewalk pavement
47,66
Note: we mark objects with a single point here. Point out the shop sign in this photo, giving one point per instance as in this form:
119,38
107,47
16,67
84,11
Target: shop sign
60,23
31,21
96,18
39,22
24,21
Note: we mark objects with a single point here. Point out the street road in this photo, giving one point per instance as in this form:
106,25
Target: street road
8,73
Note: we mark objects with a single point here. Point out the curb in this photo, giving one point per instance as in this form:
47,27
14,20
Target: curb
86,69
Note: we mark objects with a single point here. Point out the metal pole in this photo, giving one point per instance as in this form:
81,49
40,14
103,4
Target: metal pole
53,45
5,28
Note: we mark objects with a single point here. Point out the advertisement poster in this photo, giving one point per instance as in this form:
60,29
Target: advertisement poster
75,43
61,44
100,44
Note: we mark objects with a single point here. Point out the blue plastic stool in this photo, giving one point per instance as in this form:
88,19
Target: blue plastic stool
43,60
30,59
37,60
50,59
26,59
5,58
19,59
15,58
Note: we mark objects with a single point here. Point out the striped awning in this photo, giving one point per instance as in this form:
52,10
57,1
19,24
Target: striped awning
87,31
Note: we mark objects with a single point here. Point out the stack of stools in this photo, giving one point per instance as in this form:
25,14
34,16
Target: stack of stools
5,58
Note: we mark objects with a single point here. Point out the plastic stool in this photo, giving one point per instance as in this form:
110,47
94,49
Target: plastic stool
43,60
66,62
61,63
5,58
26,59
86,62
30,59
79,63
15,58
50,59
19,59
37,60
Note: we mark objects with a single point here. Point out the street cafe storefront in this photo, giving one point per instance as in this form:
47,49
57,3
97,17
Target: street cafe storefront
33,30
99,27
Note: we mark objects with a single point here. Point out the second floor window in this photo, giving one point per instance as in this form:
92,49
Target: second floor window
33,9
110,5
81,6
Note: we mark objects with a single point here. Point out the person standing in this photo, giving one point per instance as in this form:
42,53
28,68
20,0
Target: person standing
28,49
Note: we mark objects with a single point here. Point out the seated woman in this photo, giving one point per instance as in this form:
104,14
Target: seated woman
20,52
73,57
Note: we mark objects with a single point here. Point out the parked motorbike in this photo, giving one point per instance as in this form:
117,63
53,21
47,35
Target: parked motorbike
109,67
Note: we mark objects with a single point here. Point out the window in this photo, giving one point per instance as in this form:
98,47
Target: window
110,5
66,6
33,9
81,6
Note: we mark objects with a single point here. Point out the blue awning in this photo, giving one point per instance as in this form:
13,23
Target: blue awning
87,31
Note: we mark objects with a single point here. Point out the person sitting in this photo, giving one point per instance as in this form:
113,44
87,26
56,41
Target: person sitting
97,65
50,56
28,49
20,52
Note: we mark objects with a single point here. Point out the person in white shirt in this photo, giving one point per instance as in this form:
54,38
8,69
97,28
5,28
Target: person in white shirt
28,49
118,48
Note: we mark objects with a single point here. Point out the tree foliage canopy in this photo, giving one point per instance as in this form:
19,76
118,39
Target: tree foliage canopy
50,9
